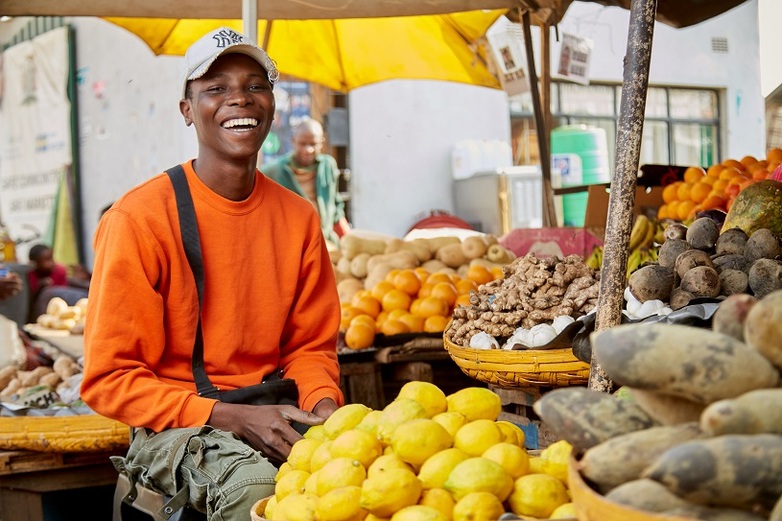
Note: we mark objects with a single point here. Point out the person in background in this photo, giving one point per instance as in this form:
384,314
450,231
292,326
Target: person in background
49,279
270,301
10,283
313,175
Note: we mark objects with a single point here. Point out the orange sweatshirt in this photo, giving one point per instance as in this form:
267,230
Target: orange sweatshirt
270,300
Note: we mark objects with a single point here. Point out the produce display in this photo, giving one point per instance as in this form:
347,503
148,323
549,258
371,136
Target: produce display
60,316
425,456
695,430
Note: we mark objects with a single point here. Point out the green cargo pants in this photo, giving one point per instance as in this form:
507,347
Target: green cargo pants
210,470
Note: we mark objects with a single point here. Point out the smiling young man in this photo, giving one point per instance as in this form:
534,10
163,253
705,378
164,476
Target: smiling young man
269,301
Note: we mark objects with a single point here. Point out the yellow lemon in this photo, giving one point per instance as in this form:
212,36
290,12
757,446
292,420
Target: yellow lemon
301,453
452,421
311,485
316,432
385,493
478,506
475,403
434,471
296,507
512,433
479,475
416,440
476,436
537,495
345,418
372,517
439,499
268,512
340,472
291,483
369,423
513,458
340,504
555,458
320,456
395,414
387,462
418,513
564,511
284,469
431,397
358,445
537,465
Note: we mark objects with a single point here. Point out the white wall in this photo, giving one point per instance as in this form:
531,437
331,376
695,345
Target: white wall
401,136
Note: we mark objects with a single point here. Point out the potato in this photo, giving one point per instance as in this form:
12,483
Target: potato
731,314
701,281
665,409
348,287
671,249
733,470
762,244
689,362
703,233
733,282
343,266
401,259
358,265
474,247
679,298
452,255
732,262
351,245
754,412
691,258
732,242
647,495
55,306
586,418
652,282
433,265
763,327
765,276
624,457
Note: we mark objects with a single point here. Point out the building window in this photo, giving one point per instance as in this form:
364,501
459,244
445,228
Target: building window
681,126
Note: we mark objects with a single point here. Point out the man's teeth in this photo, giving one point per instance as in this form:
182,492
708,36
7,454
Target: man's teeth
241,122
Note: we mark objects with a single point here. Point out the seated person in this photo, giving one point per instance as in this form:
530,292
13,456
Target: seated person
10,283
49,279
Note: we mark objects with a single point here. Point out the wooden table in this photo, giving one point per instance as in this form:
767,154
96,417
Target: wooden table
44,486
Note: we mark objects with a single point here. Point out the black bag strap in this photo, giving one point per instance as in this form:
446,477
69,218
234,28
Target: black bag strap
188,228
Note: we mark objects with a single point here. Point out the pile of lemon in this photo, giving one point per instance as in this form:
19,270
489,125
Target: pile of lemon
424,457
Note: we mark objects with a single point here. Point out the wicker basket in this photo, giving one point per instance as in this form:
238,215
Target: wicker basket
81,433
520,368
591,506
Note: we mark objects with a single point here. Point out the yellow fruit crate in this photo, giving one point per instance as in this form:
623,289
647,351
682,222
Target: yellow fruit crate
592,506
520,368
80,433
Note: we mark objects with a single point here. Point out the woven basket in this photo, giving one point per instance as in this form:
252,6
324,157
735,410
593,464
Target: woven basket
592,506
520,368
81,433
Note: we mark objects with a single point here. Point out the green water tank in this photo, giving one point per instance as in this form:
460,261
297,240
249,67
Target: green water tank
580,154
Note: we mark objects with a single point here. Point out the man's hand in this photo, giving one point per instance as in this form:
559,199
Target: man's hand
10,285
325,408
266,428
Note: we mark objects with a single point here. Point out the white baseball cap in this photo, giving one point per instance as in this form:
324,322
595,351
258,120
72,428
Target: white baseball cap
202,54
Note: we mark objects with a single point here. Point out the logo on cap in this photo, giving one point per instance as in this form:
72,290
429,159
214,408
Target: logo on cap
227,37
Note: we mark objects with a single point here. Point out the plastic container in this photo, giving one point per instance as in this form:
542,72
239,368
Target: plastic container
580,154
466,158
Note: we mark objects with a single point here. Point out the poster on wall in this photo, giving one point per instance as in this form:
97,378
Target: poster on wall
574,57
509,55
35,135
293,103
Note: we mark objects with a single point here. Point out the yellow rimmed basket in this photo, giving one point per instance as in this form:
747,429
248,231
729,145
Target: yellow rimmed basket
520,368
78,433
592,506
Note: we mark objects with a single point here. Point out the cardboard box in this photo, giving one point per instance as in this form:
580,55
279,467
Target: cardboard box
547,242
647,201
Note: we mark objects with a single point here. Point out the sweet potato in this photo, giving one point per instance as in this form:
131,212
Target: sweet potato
647,495
665,409
474,247
689,362
452,255
763,327
754,412
623,458
401,259
586,418
733,470
351,245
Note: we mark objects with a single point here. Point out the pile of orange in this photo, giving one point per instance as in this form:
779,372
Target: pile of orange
409,301
716,186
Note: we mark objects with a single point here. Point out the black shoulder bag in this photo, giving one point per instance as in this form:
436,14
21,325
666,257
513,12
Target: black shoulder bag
274,389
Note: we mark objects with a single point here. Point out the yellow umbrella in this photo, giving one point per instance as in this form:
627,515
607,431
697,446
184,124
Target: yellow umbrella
343,54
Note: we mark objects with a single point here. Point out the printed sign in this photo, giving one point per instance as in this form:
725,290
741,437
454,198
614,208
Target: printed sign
574,57
508,53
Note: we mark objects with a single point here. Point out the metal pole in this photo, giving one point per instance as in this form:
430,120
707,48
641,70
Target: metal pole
250,19
613,279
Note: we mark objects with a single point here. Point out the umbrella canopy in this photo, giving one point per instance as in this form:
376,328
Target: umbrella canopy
343,54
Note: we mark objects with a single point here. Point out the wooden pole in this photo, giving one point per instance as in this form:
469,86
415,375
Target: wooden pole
613,279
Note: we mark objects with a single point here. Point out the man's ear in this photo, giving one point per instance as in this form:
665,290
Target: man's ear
186,110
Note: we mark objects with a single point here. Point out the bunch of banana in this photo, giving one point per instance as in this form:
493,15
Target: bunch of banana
595,259
643,233
640,257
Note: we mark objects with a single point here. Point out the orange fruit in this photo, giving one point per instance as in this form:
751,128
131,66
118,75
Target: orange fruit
683,192
422,273
760,174
729,172
358,295
426,290
497,273
381,317
347,314
414,323
714,170
462,300
445,291
774,154
713,201
479,274
693,174
415,305
435,324
662,212
672,209
359,336
709,180
431,306
699,192
685,209
369,305
670,192
391,274
438,276
394,327
467,285
407,281
396,299
747,161
396,314
720,185
380,289
364,319
733,163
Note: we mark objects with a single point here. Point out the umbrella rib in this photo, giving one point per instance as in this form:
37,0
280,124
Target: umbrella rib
168,35
462,36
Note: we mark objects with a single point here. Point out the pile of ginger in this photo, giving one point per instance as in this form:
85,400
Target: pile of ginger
532,291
